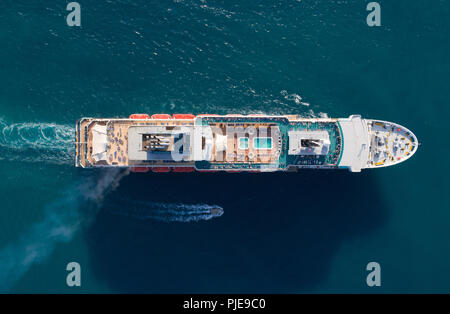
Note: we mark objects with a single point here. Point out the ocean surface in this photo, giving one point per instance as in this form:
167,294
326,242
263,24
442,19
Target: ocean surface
313,231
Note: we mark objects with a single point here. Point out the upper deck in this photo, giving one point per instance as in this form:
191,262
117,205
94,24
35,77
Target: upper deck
241,143
390,143
209,142
104,142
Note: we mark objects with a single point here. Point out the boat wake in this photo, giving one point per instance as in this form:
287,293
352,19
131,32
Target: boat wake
37,142
61,221
296,98
167,212
77,208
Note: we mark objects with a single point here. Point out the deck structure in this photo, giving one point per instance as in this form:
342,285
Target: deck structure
236,143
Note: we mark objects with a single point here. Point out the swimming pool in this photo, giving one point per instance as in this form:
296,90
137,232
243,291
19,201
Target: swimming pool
258,143
262,143
243,143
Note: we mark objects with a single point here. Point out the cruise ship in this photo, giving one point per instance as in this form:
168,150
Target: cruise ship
240,143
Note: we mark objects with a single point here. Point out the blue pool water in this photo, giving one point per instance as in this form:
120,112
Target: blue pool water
262,142
243,143
314,231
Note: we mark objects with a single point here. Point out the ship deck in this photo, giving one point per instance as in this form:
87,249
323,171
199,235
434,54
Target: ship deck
332,157
117,142
390,143
236,143
235,153
277,158
231,150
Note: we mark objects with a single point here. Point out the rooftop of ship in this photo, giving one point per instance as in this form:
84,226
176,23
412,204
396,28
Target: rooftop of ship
291,142
390,143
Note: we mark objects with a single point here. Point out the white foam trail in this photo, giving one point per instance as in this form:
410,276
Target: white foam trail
37,142
66,215
36,244
167,212
309,114
294,97
62,219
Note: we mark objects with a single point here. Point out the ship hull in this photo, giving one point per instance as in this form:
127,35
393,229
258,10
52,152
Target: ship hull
236,143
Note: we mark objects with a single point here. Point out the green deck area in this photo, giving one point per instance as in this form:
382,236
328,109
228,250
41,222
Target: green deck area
285,160
332,158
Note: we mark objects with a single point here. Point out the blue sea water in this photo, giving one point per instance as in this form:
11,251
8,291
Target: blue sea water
314,231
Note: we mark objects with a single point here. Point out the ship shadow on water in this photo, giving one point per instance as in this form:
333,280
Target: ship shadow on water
278,233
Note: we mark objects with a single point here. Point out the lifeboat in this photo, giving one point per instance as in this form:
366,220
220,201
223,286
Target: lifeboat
161,116
139,116
187,116
208,115
161,169
139,169
183,169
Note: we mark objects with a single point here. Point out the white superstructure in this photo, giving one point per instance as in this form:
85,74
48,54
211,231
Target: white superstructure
234,143
372,143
